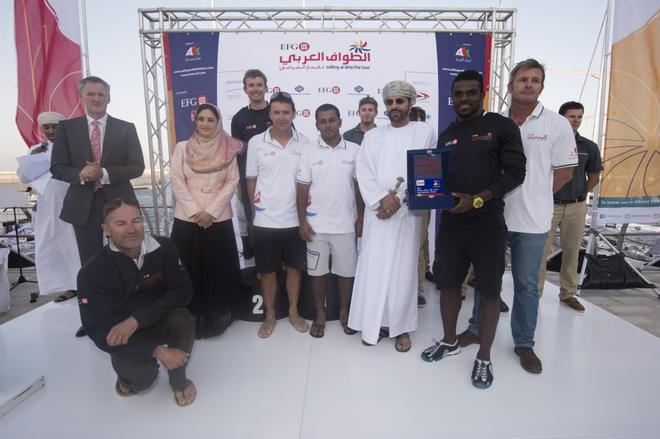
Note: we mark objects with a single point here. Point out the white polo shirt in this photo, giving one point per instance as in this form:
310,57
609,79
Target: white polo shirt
549,144
330,174
275,168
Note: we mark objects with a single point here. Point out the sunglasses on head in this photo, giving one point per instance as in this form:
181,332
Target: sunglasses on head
280,93
399,101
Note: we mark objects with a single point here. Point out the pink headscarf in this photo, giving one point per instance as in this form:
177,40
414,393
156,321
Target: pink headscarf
205,156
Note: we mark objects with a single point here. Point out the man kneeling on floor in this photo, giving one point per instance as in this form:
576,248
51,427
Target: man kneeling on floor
132,295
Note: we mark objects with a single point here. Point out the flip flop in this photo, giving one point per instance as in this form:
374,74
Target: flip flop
123,393
317,330
185,404
300,324
399,346
266,329
66,296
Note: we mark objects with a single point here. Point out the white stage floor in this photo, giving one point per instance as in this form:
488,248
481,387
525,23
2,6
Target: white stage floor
600,380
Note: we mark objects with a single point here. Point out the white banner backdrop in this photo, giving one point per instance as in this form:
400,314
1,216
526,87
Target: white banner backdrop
318,68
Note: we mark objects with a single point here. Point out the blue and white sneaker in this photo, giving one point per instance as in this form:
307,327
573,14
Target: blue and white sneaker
439,350
482,374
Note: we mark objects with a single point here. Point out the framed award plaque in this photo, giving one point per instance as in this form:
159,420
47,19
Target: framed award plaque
427,169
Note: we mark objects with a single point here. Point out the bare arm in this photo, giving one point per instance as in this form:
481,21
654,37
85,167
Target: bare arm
561,177
592,180
251,187
302,195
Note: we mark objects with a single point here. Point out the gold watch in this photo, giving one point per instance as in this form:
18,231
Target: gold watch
477,202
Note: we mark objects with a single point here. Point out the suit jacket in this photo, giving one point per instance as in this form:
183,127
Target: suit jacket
121,157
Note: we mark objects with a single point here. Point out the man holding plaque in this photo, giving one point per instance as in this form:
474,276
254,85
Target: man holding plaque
385,291
486,161
549,146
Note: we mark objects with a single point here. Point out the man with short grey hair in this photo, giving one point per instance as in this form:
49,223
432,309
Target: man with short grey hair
98,156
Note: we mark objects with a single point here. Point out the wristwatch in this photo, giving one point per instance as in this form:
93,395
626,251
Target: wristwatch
477,202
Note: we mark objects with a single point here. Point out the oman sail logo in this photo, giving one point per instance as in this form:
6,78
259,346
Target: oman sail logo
463,52
194,50
359,46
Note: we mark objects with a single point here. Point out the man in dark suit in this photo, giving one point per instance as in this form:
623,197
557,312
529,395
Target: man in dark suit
97,155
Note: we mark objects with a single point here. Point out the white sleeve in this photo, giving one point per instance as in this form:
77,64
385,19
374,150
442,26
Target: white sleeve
304,175
365,168
564,149
251,162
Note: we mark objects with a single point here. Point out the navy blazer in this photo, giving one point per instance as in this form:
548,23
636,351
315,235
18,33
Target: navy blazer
121,157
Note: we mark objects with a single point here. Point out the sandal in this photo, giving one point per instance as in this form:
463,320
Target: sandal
266,329
317,330
123,391
403,343
66,296
300,324
191,392
384,332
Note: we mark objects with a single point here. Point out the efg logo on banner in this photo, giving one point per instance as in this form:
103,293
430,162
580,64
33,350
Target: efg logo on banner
456,53
191,61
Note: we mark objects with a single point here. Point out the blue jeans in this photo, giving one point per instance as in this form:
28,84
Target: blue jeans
526,254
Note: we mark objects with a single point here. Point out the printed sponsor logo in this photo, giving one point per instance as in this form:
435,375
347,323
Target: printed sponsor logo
482,137
537,137
299,88
423,96
358,89
302,46
193,53
359,46
419,182
335,89
464,53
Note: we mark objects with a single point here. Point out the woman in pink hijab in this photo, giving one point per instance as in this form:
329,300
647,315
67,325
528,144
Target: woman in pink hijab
204,177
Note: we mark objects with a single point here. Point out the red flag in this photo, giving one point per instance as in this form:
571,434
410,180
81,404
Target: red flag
49,63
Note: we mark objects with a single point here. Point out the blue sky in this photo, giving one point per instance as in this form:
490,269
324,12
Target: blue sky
561,34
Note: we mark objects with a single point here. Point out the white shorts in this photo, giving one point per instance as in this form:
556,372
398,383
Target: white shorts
342,248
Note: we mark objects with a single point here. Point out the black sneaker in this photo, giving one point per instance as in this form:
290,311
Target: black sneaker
482,374
421,301
439,350
503,306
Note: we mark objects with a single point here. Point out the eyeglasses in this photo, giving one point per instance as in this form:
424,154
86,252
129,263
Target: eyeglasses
284,94
399,101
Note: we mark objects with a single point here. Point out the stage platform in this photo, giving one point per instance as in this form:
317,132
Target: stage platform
599,380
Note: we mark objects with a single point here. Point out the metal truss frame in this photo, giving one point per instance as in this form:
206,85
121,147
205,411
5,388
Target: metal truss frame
154,23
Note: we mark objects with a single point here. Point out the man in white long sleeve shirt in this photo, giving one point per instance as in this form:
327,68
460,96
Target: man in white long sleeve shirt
385,291
56,255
